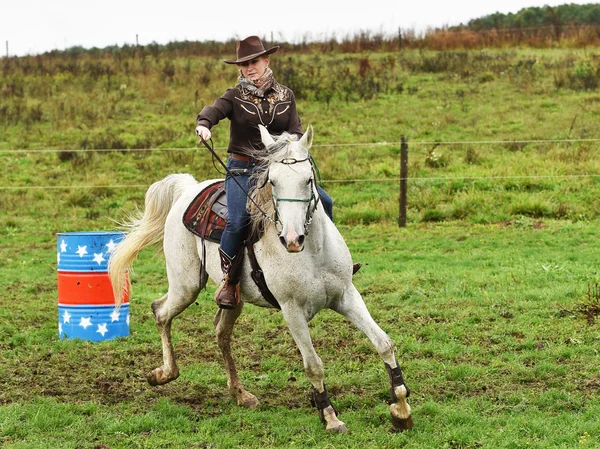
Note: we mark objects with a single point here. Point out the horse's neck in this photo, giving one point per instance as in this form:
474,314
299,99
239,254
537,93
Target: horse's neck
317,230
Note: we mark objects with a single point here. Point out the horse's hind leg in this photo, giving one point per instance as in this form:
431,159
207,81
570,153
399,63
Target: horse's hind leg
224,322
353,307
165,309
183,275
298,325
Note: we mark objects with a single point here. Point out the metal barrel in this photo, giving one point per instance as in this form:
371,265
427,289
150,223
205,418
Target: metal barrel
86,303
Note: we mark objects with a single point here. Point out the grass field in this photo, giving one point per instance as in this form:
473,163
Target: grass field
490,294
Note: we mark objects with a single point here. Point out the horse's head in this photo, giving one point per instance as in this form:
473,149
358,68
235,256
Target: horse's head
290,177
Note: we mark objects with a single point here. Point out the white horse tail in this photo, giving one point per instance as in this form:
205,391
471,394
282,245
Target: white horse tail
144,229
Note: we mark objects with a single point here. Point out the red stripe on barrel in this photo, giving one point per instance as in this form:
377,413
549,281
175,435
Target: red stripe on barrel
86,288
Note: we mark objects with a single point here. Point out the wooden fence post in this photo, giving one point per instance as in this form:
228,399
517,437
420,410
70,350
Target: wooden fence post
403,181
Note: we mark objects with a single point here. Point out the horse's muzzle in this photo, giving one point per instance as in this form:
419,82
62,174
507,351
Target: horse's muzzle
292,242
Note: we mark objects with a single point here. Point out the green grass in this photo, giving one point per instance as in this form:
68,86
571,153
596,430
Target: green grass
490,293
488,322
442,100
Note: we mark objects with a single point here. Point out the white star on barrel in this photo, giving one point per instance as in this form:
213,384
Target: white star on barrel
102,329
110,246
85,322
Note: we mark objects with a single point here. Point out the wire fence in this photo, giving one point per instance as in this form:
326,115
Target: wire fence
332,145
325,181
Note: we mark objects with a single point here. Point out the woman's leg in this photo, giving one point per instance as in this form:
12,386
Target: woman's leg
238,219
236,230
327,202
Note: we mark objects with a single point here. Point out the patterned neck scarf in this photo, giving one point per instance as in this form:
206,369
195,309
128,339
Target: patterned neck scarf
250,87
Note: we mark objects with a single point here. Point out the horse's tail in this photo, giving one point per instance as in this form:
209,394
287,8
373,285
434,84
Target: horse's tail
145,228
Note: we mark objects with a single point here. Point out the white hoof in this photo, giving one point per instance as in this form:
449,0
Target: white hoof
333,423
400,410
341,428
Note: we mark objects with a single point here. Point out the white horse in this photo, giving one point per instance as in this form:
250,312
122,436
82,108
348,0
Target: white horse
304,274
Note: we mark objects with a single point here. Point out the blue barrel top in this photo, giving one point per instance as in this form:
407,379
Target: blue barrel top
86,251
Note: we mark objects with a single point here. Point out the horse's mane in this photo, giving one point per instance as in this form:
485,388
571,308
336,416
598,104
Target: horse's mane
261,193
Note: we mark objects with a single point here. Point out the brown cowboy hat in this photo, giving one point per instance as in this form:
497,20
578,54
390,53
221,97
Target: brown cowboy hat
250,48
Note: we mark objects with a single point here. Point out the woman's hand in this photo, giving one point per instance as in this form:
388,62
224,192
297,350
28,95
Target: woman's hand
203,132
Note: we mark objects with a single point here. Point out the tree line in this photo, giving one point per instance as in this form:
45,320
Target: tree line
536,17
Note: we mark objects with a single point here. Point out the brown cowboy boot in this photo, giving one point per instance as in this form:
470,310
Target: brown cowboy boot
228,293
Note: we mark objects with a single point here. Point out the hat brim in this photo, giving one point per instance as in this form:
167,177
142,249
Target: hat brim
250,57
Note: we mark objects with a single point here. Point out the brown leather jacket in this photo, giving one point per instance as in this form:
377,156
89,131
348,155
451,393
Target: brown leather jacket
276,111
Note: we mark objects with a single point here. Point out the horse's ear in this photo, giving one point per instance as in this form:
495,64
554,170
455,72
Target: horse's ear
307,138
266,138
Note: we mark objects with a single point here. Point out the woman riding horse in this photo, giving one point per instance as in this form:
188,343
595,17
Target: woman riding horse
257,99
306,275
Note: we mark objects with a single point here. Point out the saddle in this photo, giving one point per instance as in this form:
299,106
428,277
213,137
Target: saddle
206,217
207,213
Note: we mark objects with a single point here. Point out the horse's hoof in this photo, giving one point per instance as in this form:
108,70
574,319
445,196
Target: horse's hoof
333,424
400,411
249,401
339,428
157,377
152,378
402,424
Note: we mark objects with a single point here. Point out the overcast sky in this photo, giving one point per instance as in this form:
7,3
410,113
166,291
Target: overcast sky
35,26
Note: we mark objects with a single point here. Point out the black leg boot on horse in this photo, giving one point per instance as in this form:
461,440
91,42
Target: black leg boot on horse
227,295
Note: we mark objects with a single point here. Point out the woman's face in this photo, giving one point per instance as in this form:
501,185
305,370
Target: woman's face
255,68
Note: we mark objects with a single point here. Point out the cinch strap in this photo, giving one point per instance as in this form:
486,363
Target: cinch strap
258,276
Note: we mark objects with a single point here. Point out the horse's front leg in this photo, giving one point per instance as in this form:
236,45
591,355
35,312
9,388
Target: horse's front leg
224,322
298,325
353,307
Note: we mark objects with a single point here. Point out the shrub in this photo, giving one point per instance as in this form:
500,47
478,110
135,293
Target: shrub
472,156
583,76
486,77
436,159
433,215
530,208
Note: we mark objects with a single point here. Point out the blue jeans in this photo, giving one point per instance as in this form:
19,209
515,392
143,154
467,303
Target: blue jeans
238,219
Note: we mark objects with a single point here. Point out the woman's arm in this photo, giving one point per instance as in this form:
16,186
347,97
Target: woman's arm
221,108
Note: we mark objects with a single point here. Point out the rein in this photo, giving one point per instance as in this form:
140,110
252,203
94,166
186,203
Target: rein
232,175
287,161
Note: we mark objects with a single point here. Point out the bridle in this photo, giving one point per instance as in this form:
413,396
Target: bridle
313,198
275,219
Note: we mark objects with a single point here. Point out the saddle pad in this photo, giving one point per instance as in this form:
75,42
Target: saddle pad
207,213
